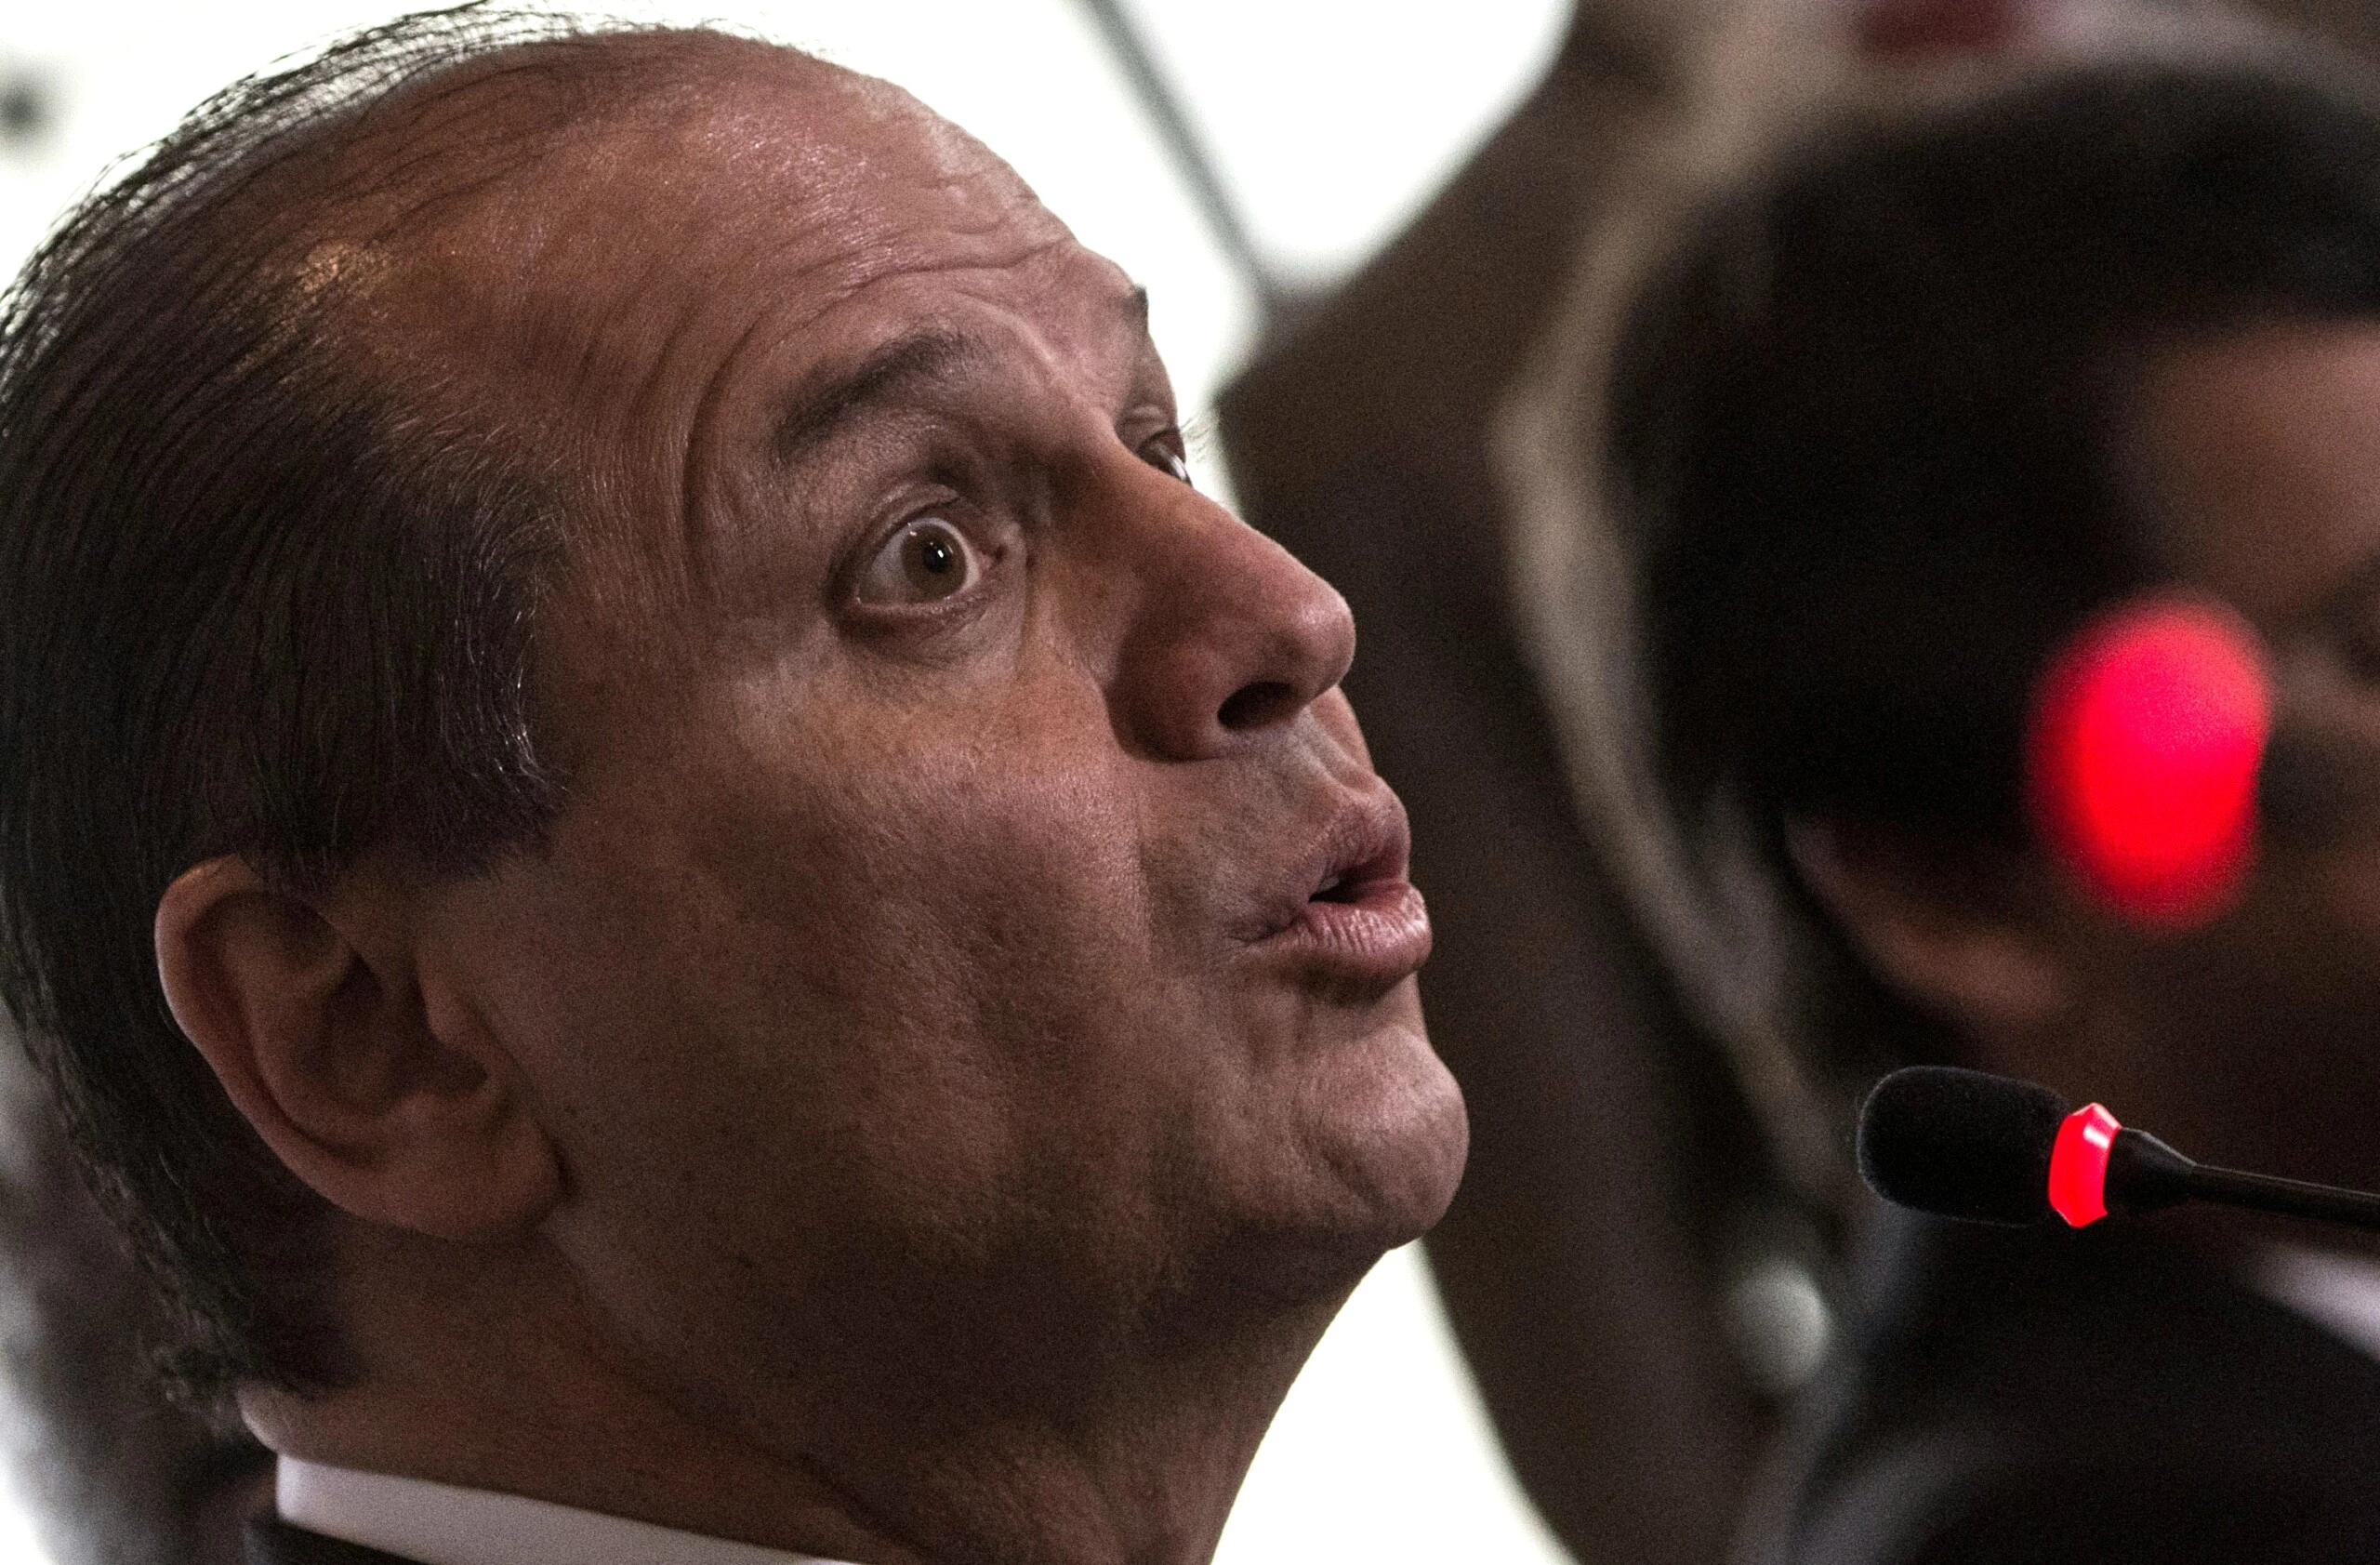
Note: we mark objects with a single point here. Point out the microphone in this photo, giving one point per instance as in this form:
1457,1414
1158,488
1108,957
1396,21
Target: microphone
1985,1149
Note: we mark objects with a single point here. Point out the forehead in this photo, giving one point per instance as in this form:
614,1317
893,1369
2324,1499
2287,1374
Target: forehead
2263,450
763,153
646,300
557,262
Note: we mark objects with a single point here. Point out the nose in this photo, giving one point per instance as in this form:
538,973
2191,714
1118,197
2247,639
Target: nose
1229,637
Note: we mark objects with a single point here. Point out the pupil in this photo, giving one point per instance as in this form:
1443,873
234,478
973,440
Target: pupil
935,565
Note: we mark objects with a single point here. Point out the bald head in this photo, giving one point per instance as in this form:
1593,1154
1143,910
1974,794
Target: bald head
548,236
506,216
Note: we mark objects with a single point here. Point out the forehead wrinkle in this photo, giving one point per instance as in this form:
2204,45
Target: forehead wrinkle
433,176
760,325
690,513
919,359
822,409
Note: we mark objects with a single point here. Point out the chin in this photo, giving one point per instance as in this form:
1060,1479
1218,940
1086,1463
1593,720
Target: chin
1354,1151
1405,1160
1385,1140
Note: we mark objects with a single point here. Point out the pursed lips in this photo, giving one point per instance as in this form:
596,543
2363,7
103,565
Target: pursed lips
1348,911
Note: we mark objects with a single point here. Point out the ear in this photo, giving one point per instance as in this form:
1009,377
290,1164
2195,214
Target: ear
314,1019
1959,941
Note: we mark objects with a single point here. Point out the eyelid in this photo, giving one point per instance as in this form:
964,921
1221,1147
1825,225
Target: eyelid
991,544
1177,450
1145,418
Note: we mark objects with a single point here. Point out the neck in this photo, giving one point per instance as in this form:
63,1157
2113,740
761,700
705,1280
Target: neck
481,1367
1142,1467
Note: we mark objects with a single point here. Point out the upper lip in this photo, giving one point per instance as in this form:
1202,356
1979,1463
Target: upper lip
1366,843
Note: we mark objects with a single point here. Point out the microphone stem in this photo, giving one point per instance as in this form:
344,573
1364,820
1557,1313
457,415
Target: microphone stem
2291,1197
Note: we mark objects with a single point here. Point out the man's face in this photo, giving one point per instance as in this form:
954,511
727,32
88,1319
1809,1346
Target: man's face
2262,1033
972,887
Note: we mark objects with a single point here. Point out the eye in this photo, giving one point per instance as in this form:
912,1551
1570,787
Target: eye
927,560
1165,452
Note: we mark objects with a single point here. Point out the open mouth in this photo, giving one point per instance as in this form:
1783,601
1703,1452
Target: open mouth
1363,920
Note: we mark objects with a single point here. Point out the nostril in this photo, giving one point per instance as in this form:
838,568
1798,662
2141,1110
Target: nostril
1259,705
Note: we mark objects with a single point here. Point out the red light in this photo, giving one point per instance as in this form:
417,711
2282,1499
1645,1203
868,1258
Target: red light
2147,731
2078,1165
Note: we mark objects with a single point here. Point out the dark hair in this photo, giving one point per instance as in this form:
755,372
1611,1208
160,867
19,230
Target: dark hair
1870,418
1869,429
253,601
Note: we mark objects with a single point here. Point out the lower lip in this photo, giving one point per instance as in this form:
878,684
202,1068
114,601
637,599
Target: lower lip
1381,934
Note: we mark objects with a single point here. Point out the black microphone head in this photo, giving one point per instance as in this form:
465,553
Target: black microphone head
1960,1143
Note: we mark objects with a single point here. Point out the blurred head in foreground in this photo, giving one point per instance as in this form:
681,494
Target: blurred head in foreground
1889,427
1897,423
645,801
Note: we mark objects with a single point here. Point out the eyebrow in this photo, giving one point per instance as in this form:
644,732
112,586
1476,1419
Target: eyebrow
892,373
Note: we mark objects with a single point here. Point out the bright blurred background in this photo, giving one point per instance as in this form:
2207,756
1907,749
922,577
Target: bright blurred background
1330,122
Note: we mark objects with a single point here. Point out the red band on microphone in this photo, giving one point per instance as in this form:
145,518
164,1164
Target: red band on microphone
2078,1165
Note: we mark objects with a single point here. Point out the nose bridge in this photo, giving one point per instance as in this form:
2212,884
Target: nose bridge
1226,635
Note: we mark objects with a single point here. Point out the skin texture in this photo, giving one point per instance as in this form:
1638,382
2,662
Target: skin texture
2247,1042
910,1107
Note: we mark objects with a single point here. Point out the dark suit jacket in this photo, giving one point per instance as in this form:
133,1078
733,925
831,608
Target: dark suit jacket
276,1542
2033,1397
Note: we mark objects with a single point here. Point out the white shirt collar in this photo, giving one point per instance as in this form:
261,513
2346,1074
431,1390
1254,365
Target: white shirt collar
439,1524
2338,1291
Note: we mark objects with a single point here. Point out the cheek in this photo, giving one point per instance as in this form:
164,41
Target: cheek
1338,720
952,877
867,983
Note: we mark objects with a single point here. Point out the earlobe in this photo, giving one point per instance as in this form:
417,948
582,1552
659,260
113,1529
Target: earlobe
311,1015
1977,964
